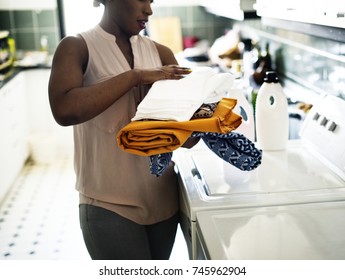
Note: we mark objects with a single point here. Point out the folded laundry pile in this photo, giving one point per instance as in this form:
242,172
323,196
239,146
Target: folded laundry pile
151,137
178,99
195,106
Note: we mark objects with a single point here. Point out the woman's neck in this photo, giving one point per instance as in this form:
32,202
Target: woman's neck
112,28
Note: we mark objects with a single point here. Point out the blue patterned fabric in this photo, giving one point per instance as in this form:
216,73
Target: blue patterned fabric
158,163
233,147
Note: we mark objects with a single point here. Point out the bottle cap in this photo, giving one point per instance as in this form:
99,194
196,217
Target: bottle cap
271,77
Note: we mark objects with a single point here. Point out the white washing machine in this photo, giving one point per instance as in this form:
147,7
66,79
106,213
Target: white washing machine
312,169
314,231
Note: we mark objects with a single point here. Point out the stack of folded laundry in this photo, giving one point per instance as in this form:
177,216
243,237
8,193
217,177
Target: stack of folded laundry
152,137
196,106
177,100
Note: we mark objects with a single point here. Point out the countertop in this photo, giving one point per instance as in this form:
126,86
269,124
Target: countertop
27,60
5,78
14,71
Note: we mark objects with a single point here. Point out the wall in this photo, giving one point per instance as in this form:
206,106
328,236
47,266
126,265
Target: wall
316,62
195,21
162,3
27,5
28,26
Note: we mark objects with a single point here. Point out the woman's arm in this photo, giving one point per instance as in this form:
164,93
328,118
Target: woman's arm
72,103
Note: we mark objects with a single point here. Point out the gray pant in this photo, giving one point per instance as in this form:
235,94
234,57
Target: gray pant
109,236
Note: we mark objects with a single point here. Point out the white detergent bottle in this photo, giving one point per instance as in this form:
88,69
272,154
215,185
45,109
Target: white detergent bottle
271,115
245,110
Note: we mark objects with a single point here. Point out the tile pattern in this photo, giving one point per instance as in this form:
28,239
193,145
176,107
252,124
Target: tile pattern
28,26
196,21
39,216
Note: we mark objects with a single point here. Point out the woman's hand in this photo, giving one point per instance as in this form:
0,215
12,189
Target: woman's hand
168,72
191,142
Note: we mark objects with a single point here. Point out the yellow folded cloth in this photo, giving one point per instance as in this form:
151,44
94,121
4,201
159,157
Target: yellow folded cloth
154,137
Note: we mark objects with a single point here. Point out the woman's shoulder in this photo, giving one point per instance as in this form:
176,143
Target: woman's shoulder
166,54
74,48
161,48
73,42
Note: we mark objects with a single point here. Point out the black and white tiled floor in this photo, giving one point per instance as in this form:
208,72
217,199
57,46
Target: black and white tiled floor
39,216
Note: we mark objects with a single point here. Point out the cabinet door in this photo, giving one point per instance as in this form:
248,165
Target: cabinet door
14,132
40,117
234,9
46,137
4,142
328,13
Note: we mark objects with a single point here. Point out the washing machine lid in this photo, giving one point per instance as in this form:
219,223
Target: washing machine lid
304,231
316,162
291,177
294,171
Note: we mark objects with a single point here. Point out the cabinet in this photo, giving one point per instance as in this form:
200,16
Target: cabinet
234,9
40,118
28,127
14,131
326,13
47,139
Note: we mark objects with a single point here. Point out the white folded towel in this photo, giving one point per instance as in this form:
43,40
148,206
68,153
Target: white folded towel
217,87
178,99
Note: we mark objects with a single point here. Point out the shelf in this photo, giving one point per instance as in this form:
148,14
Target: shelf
321,31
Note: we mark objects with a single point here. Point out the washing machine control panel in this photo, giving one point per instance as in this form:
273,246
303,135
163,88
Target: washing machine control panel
324,130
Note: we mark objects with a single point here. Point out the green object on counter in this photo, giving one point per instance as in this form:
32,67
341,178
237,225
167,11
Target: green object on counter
254,95
12,46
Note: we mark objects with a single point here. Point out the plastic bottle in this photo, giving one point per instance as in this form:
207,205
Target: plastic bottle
271,115
262,65
44,47
243,108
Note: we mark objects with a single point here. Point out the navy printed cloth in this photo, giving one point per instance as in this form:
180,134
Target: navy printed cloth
233,147
160,162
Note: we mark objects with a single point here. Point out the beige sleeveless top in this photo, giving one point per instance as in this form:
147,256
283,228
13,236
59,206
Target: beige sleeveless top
107,176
